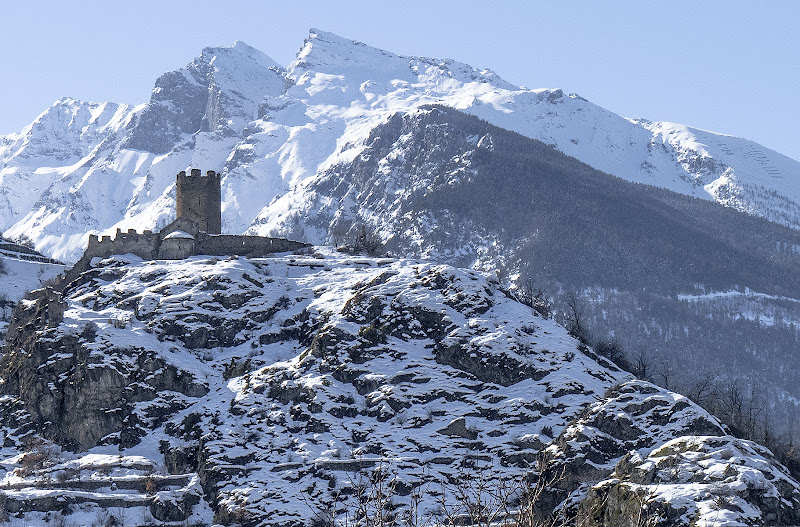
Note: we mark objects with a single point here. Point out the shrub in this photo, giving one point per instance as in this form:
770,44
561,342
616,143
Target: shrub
150,485
89,331
39,455
358,238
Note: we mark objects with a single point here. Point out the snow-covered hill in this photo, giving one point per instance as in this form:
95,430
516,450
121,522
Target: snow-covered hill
281,391
84,167
21,270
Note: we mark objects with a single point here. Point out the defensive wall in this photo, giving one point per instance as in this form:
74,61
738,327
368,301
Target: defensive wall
152,246
225,244
144,245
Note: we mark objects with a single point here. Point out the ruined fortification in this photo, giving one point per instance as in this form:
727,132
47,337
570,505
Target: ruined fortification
198,198
196,230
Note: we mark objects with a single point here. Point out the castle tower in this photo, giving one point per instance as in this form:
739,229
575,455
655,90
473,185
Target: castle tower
198,198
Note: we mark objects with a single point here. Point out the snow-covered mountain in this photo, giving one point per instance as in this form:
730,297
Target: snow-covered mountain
346,134
84,167
300,389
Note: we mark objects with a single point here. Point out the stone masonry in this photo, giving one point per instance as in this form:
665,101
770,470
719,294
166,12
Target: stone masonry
198,198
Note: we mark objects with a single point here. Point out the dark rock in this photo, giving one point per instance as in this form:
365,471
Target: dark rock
458,428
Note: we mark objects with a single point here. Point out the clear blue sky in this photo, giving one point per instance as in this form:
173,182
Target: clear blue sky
731,67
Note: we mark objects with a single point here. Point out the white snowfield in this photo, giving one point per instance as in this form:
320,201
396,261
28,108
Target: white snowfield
84,167
22,276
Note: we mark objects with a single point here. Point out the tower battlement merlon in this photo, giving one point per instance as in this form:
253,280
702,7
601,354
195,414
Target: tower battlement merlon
196,173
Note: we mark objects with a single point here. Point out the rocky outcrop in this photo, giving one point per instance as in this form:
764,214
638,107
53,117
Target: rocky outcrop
84,395
82,387
644,454
292,372
634,416
458,428
697,480
118,490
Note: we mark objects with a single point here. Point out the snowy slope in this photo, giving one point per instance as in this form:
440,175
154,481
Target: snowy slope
84,168
21,270
23,275
266,389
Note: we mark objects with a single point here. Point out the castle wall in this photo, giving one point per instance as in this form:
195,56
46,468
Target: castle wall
143,245
244,245
199,198
152,246
176,248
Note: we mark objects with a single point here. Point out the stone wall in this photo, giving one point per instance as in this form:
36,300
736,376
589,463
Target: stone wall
143,245
151,246
176,248
224,245
198,198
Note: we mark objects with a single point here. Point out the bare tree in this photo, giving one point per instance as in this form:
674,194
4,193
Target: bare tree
6,307
610,348
731,400
337,235
701,389
531,295
476,495
575,319
641,366
357,237
25,241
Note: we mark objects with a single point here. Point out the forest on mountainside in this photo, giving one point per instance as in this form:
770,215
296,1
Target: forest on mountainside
699,290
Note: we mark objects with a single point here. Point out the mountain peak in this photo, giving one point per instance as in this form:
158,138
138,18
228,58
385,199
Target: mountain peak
220,88
239,50
327,52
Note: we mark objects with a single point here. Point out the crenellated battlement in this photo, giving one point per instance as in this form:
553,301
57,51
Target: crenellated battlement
144,245
130,234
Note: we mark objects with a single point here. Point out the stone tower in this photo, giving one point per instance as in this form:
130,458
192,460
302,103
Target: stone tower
198,198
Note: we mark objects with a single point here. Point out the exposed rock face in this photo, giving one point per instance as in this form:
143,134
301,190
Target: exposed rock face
458,428
696,480
632,417
660,458
84,388
116,490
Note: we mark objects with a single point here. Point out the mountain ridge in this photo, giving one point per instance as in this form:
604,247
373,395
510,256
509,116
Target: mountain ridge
269,129
206,365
